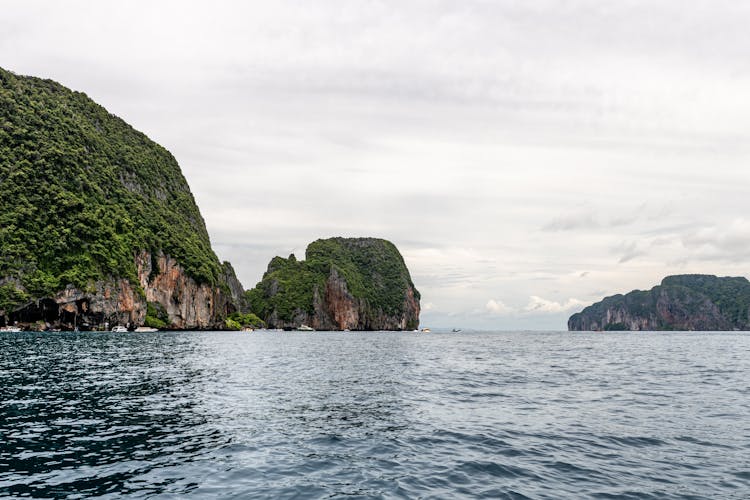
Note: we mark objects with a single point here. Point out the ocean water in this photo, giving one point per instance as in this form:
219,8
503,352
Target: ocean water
375,415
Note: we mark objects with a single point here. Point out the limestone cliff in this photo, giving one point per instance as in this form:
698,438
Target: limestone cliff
684,302
343,283
98,226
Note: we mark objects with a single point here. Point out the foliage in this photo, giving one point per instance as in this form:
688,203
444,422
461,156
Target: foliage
156,315
373,270
232,324
731,294
83,192
247,320
10,296
152,322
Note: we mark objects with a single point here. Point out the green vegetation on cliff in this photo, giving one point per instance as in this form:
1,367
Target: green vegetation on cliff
238,321
682,302
83,192
730,294
372,269
156,316
287,287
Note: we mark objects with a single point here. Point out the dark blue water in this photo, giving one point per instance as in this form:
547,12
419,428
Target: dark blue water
369,415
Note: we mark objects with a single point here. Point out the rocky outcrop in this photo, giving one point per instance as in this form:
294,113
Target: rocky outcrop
161,280
683,302
344,283
337,309
98,226
232,285
188,305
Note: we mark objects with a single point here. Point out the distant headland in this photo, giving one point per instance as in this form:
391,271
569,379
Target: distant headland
683,302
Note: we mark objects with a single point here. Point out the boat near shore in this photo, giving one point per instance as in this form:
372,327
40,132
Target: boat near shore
305,328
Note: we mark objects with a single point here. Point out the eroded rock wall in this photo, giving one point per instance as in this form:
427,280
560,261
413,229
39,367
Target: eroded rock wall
105,304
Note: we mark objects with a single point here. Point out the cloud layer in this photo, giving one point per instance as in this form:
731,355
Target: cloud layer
510,149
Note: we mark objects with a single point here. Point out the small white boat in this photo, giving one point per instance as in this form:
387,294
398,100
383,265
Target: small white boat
10,329
425,330
120,329
145,329
305,328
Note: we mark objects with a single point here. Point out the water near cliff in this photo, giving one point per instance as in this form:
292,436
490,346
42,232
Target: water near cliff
230,415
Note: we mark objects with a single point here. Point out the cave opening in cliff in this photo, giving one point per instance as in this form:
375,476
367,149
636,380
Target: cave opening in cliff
43,310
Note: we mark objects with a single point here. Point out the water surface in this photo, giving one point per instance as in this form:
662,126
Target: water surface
375,415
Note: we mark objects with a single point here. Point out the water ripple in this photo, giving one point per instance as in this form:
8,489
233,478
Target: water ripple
375,415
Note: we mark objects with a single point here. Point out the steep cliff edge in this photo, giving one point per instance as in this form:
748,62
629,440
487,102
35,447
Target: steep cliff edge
343,283
97,223
683,302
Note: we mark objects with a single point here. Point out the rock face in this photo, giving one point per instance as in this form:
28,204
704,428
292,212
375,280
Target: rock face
343,283
683,302
188,305
98,226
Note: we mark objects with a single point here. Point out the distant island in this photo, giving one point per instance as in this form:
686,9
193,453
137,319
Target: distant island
683,302
99,229
343,283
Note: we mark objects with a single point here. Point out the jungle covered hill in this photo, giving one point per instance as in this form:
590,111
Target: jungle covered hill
96,218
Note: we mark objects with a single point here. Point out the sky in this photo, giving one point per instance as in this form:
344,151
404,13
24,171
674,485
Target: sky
527,158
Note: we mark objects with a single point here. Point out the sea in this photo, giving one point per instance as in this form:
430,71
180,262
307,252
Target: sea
230,415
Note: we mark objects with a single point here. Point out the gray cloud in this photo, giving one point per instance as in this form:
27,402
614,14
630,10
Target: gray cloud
572,222
455,129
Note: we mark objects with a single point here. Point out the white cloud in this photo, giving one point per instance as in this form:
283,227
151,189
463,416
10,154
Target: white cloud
497,307
729,242
572,222
455,129
538,304
628,251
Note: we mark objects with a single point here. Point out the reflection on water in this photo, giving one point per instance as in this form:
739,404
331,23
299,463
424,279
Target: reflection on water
92,413
227,415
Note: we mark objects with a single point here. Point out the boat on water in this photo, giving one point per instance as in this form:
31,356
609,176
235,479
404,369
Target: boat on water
456,330
145,329
305,328
425,330
10,329
120,329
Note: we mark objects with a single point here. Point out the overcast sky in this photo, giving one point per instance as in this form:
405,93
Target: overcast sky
527,158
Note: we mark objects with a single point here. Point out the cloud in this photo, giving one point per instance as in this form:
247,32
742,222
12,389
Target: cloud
729,242
504,148
538,304
572,222
497,307
628,251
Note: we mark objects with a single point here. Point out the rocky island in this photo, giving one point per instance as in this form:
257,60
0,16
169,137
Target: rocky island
97,223
683,302
343,283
